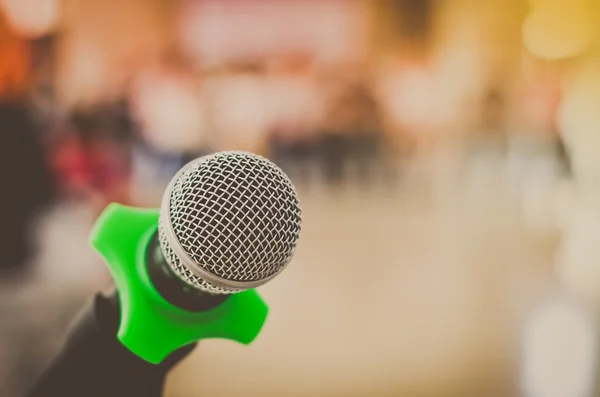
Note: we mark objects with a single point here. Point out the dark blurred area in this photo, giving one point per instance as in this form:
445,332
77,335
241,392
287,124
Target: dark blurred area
28,181
447,154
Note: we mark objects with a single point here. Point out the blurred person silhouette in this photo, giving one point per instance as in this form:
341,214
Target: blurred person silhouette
295,105
334,126
366,137
28,186
564,157
47,269
351,133
28,193
333,146
487,148
170,126
493,118
537,154
238,107
92,157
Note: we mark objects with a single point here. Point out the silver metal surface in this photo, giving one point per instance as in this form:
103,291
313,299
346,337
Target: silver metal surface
229,222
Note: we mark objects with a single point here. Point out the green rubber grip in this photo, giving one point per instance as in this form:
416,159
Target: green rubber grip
151,327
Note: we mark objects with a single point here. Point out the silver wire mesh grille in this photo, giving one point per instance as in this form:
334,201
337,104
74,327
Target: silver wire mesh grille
182,270
236,215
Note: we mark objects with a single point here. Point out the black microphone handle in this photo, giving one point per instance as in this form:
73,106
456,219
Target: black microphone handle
93,363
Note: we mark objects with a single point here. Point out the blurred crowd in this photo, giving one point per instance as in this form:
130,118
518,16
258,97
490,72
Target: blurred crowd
300,117
321,124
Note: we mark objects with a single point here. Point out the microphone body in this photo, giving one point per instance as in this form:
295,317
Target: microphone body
93,363
229,222
151,326
124,344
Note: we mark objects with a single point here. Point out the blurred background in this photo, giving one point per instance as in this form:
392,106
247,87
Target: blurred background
447,155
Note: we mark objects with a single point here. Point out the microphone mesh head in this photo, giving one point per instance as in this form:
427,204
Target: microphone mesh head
229,222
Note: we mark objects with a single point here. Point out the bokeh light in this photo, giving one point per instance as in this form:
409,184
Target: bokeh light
559,358
32,18
560,29
165,103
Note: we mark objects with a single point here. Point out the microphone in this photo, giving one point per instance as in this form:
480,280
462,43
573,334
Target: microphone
228,223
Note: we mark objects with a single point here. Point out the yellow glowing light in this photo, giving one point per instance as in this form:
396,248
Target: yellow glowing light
533,4
539,3
31,18
560,29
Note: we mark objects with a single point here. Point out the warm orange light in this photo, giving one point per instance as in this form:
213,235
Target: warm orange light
14,63
31,18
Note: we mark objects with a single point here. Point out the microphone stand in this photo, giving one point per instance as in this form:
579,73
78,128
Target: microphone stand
114,354
94,363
